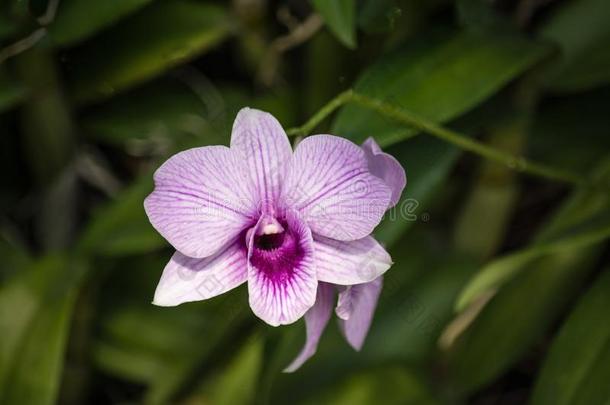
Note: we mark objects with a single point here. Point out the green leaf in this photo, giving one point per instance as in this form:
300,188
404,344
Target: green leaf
415,303
434,78
121,227
47,129
161,115
229,320
427,162
382,16
482,222
586,205
35,311
235,384
340,16
504,329
76,20
7,27
11,92
572,131
14,258
280,347
138,341
596,389
572,372
141,342
153,345
163,35
480,15
499,271
371,386
585,61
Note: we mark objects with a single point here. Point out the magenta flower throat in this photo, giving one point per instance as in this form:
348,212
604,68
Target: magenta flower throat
294,225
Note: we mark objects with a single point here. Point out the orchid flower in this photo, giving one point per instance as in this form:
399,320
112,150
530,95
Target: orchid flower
291,224
356,303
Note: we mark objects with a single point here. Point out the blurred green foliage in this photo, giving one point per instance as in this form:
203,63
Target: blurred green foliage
500,286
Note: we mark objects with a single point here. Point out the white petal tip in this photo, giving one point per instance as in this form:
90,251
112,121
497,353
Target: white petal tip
343,316
161,303
166,302
355,346
300,360
289,370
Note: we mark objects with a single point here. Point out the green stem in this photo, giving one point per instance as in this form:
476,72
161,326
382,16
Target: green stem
322,113
462,141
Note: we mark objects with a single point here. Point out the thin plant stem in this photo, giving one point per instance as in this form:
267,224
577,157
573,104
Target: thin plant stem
322,113
462,141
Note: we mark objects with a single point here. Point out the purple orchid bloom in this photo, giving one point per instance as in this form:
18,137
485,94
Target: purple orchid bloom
356,303
291,224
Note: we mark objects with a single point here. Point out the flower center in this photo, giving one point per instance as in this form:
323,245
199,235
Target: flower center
276,250
271,235
269,241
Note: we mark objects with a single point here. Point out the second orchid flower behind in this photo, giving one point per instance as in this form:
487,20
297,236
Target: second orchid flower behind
294,225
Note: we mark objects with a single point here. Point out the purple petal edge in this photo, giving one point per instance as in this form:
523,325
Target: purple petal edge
385,167
363,301
316,320
330,184
282,285
261,145
187,279
347,263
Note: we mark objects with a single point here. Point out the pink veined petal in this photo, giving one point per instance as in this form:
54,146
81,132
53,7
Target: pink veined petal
347,263
329,183
282,282
260,142
362,300
386,167
316,320
344,303
199,203
187,279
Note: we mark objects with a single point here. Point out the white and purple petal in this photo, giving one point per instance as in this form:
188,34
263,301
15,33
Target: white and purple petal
259,141
344,302
282,278
329,183
386,167
200,202
294,226
353,262
187,279
316,320
357,306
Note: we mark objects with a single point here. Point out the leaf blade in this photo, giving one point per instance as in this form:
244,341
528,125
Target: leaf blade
340,15
433,78
77,20
37,306
121,226
150,44
585,62
581,342
499,271
487,347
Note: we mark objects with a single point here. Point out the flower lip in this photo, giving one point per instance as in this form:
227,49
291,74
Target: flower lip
276,249
269,241
274,245
282,282
271,234
282,220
